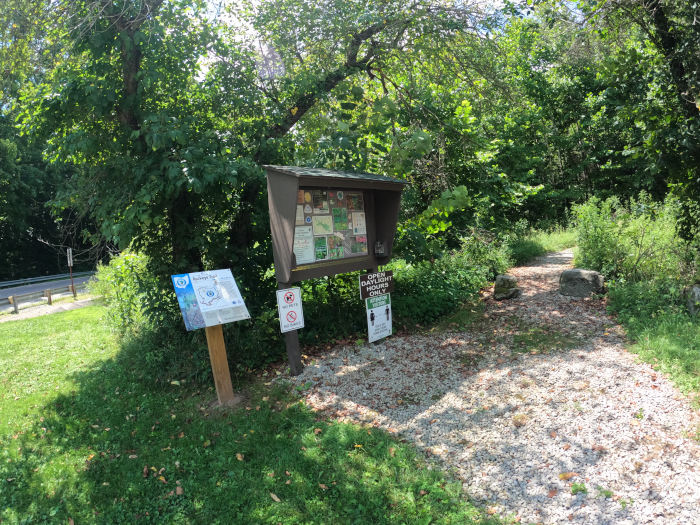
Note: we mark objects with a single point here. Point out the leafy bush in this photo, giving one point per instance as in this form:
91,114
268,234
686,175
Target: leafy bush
333,309
122,285
637,241
664,334
638,245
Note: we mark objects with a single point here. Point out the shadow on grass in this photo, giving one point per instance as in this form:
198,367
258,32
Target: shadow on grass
122,448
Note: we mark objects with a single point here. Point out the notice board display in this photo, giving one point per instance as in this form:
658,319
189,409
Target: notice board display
325,222
330,224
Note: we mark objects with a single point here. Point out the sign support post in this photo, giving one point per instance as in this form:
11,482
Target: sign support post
69,253
291,341
219,364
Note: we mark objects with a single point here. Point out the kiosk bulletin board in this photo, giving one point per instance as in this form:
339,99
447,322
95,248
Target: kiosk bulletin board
325,222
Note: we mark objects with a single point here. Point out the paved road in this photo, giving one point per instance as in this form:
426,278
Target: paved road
40,287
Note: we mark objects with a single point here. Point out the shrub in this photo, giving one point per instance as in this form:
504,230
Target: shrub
122,285
333,309
637,241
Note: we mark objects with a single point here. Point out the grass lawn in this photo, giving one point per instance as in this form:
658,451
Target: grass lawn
87,436
537,243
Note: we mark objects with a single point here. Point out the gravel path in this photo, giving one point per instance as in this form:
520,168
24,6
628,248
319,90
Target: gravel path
535,401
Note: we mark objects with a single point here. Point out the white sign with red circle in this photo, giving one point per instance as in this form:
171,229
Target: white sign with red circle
290,310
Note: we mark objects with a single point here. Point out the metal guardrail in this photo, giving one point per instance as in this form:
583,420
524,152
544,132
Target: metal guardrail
44,278
15,300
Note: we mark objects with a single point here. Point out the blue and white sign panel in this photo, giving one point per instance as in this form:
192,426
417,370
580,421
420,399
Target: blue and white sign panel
209,298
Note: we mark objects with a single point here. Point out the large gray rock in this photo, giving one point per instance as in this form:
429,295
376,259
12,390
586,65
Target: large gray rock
580,283
506,287
692,296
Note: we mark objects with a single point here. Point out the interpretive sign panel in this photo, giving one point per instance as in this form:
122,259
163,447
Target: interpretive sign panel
290,309
209,298
375,284
378,317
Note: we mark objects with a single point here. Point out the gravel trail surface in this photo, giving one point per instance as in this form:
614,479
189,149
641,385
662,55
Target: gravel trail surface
536,407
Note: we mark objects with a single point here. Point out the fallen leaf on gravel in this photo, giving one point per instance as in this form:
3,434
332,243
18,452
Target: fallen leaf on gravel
567,475
553,434
274,497
566,447
552,493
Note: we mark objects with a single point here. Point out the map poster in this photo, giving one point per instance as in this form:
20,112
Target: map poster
378,317
359,226
209,298
323,224
304,244
321,248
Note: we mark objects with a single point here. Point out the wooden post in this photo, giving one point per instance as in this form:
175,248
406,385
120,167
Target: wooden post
291,341
47,294
15,303
219,364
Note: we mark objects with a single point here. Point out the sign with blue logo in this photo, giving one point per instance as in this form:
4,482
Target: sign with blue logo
209,298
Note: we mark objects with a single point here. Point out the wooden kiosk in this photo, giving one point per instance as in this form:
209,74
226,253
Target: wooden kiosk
325,222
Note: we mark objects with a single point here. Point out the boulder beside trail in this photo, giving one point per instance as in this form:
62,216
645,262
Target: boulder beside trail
506,287
580,283
692,296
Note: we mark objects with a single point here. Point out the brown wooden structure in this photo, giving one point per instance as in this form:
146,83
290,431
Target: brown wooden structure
296,200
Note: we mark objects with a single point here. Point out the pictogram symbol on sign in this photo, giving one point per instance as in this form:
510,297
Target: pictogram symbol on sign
289,297
291,316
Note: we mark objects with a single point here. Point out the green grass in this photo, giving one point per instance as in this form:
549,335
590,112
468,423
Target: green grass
461,319
538,339
522,250
87,435
662,332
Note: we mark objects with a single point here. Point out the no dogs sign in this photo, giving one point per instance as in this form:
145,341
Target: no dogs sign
290,310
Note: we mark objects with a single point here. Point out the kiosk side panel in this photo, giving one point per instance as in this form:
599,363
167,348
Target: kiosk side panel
281,198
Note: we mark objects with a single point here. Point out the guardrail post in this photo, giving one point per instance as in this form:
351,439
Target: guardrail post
47,294
15,303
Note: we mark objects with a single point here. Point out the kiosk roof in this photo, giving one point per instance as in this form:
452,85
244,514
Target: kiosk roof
297,171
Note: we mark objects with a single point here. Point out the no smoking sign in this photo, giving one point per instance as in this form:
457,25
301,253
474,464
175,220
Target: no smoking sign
290,309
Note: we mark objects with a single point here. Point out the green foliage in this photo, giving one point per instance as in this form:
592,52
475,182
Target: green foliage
637,241
524,243
665,335
578,488
123,285
427,290
87,435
